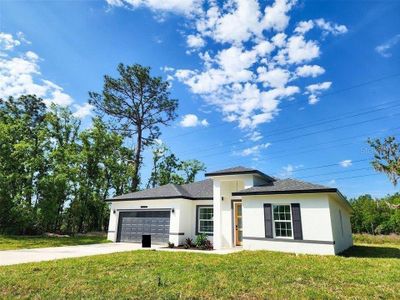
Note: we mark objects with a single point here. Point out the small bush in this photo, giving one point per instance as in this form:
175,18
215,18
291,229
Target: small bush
171,245
201,240
188,243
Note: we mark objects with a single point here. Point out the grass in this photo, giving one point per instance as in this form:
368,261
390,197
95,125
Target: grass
8,242
371,271
376,239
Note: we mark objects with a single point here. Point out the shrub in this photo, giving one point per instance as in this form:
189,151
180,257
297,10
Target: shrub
188,243
201,240
171,245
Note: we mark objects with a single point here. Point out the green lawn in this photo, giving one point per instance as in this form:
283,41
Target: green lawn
370,271
8,242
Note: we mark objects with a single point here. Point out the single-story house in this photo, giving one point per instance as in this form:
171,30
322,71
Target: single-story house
237,207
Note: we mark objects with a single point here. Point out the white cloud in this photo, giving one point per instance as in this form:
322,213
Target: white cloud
8,42
384,48
255,150
287,171
329,27
314,90
82,111
176,6
191,120
309,71
346,163
254,136
248,54
195,41
20,75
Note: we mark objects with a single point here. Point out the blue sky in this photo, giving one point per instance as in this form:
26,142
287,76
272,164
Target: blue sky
291,88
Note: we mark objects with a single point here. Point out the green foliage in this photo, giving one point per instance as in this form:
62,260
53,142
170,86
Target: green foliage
167,168
137,105
369,272
202,241
387,157
376,216
54,176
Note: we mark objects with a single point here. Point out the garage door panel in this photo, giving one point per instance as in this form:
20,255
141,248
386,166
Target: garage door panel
132,225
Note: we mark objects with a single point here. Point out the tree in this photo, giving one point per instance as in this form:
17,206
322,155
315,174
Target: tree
167,168
387,157
137,105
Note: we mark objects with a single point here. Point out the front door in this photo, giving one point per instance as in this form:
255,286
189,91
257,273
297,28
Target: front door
238,223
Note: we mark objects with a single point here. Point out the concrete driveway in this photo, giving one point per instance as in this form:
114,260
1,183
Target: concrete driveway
12,257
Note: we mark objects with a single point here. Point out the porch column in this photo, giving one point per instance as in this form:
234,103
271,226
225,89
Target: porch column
217,238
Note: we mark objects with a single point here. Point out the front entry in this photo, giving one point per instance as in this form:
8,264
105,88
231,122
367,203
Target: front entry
238,223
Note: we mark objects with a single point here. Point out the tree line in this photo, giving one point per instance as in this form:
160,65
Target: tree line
55,174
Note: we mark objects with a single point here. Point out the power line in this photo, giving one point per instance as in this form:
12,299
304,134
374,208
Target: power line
365,83
309,134
291,129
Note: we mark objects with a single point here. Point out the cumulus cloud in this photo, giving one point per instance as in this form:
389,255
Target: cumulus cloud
309,71
186,7
384,48
346,163
249,55
82,111
191,120
314,90
287,171
20,75
254,150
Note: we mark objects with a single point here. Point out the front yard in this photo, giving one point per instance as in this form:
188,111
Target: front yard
368,271
8,242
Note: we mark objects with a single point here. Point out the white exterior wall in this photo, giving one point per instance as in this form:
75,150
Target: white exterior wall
223,187
341,230
315,219
181,219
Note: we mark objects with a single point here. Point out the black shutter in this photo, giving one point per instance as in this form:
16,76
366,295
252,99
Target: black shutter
268,220
297,230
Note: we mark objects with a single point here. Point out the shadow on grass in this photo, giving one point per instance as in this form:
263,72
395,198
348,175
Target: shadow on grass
372,252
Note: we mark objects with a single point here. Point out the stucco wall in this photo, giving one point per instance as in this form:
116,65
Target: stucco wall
178,224
343,238
315,219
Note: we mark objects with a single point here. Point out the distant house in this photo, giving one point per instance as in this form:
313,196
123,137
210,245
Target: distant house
237,207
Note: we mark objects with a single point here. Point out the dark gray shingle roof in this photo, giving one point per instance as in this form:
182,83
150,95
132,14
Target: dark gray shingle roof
281,186
198,190
237,171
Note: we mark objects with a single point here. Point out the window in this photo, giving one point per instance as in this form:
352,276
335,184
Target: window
282,221
205,221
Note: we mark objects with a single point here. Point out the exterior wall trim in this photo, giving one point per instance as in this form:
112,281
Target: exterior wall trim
176,233
329,190
157,198
288,240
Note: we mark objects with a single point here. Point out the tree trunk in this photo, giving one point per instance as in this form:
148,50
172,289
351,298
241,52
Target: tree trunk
137,161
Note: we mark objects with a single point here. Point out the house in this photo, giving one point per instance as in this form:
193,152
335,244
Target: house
237,207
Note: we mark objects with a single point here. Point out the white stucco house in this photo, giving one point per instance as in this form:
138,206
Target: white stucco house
237,207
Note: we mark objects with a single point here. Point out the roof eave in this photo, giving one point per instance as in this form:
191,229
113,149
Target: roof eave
250,172
157,198
309,191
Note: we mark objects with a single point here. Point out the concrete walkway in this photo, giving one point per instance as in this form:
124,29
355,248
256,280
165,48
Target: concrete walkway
12,257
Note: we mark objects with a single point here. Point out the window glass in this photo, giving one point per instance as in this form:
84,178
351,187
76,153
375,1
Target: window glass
282,220
205,220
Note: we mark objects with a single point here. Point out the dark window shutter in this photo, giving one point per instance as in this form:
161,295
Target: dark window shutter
268,220
296,216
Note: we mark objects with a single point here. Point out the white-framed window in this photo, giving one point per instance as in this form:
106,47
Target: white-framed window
205,219
282,216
